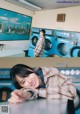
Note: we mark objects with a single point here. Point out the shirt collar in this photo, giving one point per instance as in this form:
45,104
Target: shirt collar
40,74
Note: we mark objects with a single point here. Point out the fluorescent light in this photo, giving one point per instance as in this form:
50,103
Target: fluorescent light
29,4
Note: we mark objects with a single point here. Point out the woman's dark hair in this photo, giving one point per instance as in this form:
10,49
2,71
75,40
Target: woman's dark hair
43,31
22,71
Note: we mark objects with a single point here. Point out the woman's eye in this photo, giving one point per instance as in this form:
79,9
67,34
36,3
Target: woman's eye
23,82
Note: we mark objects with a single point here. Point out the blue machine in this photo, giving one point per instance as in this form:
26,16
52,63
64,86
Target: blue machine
6,86
33,41
77,37
75,51
49,43
34,37
63,43
49,40
74,74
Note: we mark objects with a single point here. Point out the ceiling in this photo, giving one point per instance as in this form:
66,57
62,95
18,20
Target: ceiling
45,4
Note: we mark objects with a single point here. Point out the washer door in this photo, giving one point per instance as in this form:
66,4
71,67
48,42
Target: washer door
48,44
34,40
79,53
75,51
62,49
5,93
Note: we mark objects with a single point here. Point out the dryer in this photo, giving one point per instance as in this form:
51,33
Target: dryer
63,43
77,38
49,43
34,37
73,73
75,51
31,52
33,41
6,85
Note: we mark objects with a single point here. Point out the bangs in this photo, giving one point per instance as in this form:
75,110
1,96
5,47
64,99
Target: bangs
22,71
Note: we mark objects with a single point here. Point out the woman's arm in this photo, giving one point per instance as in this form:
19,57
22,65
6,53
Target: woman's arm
22,95
31,94
41,92
58,85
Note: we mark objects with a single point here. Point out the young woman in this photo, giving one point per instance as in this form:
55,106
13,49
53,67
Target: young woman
40,82
39,49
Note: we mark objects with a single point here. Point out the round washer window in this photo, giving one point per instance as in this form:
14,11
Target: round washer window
62,49
75,50
79,53
48,44
34,40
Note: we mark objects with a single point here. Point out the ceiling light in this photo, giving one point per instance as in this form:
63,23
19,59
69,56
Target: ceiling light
29,4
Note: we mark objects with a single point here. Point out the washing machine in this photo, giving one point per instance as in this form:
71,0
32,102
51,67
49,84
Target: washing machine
49,40
49,43
77,38
75,51
63,43
6,85
34,37
33,41
73,73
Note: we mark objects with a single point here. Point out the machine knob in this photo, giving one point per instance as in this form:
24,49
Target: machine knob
77,72
72,72
62,71
67,72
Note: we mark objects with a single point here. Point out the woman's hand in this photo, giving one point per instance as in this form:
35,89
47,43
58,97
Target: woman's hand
35,90
18,96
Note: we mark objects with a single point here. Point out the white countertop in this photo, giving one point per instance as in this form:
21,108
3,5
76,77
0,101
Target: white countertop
41,106
10,52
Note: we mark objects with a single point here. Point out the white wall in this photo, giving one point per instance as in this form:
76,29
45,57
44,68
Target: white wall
15,44
47,19
44,19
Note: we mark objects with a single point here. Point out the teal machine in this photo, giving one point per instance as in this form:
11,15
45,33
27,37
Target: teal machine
64,41
73,73
75,51
33,41
6,85
49,41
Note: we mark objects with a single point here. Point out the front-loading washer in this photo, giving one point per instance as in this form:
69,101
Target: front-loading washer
6,85
33,41
49,43
63,43
75,51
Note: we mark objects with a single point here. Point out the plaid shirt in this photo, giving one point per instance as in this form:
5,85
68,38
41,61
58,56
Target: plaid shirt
39,49
58,86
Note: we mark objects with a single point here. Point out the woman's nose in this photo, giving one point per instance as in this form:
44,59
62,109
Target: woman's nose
29,80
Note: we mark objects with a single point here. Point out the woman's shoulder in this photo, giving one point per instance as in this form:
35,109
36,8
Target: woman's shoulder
49,71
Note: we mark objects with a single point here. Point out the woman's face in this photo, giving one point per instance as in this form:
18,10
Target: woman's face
31,81
41,34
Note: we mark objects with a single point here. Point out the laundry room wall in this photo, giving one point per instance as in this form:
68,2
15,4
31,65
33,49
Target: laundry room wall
47,19
23,44
40,62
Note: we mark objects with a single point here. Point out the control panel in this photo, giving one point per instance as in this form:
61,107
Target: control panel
72,72
5,74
